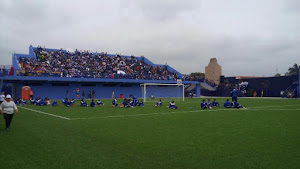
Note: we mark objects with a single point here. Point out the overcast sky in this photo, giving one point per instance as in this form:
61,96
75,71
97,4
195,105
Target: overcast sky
248,37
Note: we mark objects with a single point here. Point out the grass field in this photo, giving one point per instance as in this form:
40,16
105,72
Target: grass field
265,135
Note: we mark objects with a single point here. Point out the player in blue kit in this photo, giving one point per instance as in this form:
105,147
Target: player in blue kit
158,104
215,103
235,93
114,102
208,103
141,103
99,103
172,105
54,103
125,103
134,100
204,105
92,104
236,105
83,103
227,104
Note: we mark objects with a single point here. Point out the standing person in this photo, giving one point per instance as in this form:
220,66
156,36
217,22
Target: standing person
7,109
77,93
93,94
2,97
262,93
90,95
254,94
83,94
234,95
67,94
31,94
113,94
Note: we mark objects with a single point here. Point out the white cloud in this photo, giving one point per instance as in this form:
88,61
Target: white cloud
244,36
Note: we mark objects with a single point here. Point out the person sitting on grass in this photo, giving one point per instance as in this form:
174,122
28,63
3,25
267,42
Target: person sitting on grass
17,102
208,103
227,104
32,101
83,103
92,104
47,101
54,103
236,105
40,102
204,105
131,103
72,102
151,96
114,102
215,103
23,102
125,103
172,105
99,103
65,101
141,103
158,104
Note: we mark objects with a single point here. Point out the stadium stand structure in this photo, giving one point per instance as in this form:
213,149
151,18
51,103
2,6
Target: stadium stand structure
57,73
271,86
299,83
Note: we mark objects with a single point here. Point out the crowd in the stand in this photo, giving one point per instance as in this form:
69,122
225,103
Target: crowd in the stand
61,63
6,71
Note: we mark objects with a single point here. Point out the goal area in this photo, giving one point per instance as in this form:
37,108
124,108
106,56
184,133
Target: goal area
151,91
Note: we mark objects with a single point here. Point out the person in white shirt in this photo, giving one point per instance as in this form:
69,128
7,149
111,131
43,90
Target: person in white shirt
7,109
2,97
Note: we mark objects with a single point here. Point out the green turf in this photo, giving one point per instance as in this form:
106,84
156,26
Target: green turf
106,137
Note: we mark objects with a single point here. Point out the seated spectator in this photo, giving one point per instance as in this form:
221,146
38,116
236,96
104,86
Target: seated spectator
72,102
204,105
114,102
54,103
92,104
151,96
158,104
215,103
227,104
61,63
141,103
125,103
99,103
47,101
32,101
83,103
208,103
236,105
65,102
172,105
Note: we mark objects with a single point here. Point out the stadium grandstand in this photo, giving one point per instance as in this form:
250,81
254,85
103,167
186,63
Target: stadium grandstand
45,70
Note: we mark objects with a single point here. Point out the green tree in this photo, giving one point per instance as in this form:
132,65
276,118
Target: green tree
293,70
277,75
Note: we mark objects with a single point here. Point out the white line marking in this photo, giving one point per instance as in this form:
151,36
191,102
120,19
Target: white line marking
150,114
270,106
66,118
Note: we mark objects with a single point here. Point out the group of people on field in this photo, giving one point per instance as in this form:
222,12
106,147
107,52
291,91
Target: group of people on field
8,106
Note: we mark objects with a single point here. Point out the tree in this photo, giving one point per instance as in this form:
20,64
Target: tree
293,70
277,75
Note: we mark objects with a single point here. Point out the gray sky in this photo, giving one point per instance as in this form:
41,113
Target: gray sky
248,37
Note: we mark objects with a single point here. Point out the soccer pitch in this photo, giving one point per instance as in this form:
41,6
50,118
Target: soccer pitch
264,135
